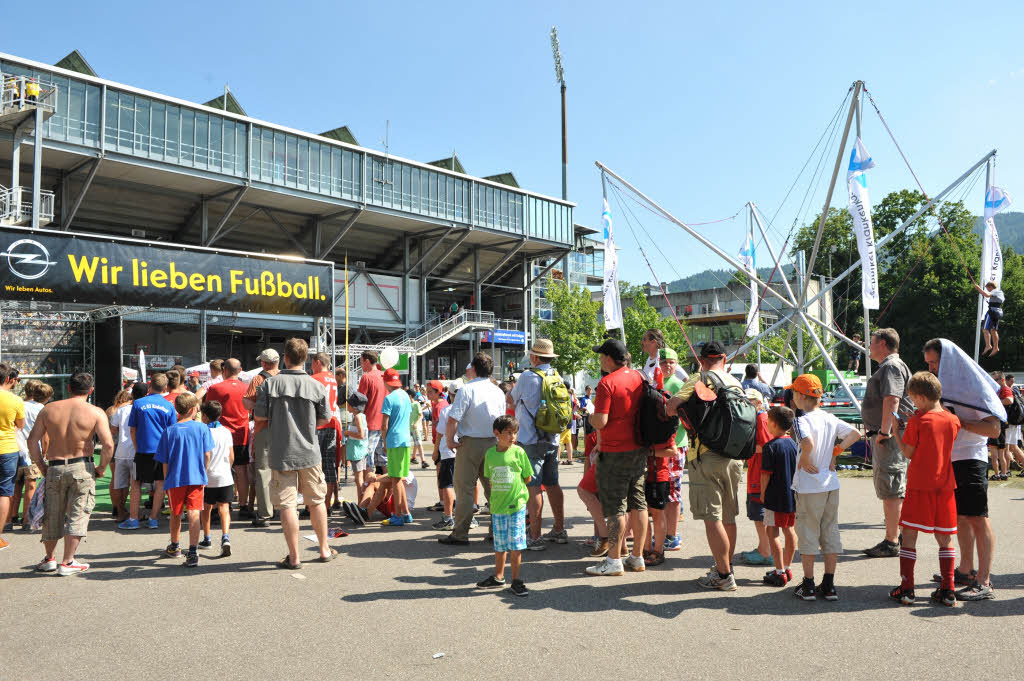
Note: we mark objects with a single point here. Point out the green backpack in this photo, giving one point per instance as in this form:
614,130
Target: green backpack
555,409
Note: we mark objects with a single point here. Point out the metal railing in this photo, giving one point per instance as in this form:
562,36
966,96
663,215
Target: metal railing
453,326
16,205
16,94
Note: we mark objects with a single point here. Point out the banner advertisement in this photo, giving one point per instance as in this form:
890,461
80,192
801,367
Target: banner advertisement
996,200
61,267
860,211
610,290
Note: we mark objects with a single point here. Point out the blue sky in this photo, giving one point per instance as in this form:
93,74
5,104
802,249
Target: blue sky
703,106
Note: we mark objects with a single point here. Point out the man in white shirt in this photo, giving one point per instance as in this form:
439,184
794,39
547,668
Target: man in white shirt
472,417
990,325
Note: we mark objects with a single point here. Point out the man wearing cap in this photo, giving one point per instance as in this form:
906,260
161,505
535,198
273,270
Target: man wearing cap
295,405
541,447
269,360
621,461
714,479
371,384
885,397
471,418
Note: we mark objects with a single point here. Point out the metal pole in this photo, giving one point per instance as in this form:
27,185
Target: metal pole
801,282
202,335
828,359
831,188
37,165
565,153
981,274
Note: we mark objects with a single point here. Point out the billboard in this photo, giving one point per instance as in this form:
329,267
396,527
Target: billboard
64,267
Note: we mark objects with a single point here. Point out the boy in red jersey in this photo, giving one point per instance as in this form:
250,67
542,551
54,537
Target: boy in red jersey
930,505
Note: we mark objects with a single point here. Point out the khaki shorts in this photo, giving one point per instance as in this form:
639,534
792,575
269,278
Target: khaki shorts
27,474
817,523
285,486
620,482
714,487
889,468
70,498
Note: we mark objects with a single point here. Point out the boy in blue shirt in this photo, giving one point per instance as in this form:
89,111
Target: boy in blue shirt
184,450
509,469
397,411
148,420
778,464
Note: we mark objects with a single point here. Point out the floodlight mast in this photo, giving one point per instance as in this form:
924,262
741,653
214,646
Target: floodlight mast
556,53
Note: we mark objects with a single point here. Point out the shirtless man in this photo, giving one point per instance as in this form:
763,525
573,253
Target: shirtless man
68,469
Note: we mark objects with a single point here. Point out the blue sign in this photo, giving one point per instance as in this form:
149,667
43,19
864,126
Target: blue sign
506,336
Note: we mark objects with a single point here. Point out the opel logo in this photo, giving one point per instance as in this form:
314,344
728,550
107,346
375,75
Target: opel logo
27,258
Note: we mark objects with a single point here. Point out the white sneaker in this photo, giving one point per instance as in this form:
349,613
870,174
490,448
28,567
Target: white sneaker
72,568
713,580
560,537
47,565
606,568
473,524
634,563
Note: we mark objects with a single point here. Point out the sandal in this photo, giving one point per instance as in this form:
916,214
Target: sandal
653,558
287,564
328,558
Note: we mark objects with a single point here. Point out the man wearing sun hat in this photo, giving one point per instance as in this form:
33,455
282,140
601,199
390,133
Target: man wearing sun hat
541,448
714,479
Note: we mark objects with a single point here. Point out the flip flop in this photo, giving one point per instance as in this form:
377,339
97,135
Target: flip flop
328,558
287,564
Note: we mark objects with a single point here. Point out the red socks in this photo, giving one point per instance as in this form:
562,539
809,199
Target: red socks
907,559
947,561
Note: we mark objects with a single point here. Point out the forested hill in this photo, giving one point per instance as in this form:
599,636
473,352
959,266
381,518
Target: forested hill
716,279
1011,230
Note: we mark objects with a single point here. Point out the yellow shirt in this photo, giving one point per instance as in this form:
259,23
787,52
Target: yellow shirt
687,390
12,408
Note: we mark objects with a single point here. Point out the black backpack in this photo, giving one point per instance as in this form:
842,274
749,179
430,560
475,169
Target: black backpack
1015,411
653,425
726,425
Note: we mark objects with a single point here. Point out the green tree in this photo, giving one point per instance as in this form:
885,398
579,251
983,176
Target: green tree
574,328
638,316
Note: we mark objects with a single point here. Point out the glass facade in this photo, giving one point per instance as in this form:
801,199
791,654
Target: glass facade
153,128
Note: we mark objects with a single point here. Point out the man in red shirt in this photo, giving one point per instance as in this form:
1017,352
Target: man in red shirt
327,436
371,384
235,417
621,461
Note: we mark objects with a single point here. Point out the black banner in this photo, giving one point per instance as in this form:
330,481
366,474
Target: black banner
74,268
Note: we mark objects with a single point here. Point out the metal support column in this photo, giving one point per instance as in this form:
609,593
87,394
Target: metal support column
981,276
405,281
526,305
204,235
37,166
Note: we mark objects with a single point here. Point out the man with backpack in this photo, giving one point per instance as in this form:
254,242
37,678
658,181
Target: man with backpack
543,408
715,475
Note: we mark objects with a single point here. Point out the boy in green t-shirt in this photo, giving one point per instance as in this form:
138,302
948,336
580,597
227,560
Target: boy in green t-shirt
509,470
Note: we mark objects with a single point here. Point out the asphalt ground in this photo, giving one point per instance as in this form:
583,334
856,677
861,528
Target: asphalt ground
395,598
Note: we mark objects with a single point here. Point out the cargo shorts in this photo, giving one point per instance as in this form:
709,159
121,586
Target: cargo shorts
620,482
714,487
888,468
70,498
285,486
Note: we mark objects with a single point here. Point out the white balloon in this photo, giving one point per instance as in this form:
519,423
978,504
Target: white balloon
388,357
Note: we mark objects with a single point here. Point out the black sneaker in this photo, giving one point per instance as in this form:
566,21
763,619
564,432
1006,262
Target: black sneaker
806,590
259,522
945,597
903,596
518,588
451,540
364,513
352,511
773,578
491,583
336,506
976,592
827,592
959,578
192,560
884,549
205,543
172,551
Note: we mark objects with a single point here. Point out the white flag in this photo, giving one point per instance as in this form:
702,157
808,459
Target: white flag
749,261
612,305
142,366
996,200
860,211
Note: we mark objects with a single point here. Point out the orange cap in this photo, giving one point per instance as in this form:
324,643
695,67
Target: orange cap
807,384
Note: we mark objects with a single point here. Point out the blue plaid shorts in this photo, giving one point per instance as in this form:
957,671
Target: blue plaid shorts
509,531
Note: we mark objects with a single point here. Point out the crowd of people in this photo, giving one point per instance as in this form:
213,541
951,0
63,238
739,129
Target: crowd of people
274,446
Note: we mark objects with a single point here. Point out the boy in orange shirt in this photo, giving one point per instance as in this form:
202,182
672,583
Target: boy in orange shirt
930,505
